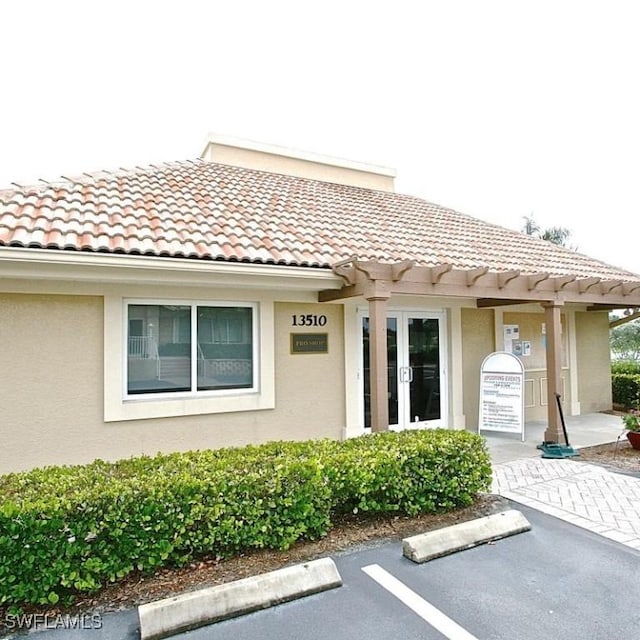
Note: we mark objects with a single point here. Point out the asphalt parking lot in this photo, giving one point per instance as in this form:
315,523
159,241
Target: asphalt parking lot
555,581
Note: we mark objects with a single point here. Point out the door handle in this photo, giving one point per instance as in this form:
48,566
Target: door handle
405,374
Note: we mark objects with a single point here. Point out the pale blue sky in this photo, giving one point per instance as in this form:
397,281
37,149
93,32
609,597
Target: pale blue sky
500,109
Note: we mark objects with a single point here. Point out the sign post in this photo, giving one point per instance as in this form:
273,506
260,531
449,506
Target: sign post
502,394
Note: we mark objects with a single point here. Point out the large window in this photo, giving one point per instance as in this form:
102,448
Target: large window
190,348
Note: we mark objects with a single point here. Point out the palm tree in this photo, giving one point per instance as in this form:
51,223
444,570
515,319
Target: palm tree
557,235
531,227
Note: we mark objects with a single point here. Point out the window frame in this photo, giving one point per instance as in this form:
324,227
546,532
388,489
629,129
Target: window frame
193,310
120,406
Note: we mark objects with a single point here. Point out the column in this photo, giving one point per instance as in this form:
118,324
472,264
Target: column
553,432
378,363
456,369
570,317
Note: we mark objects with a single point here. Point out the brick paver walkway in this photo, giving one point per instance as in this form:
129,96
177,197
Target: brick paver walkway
584,494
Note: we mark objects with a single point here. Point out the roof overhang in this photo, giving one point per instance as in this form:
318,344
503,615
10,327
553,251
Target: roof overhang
79,266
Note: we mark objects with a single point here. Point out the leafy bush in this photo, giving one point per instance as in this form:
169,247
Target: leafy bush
625,366
411,472
626,389
65,530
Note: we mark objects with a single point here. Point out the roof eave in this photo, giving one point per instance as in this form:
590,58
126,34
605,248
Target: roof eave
46,264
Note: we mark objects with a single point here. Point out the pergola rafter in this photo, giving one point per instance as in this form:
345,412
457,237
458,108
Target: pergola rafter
480,283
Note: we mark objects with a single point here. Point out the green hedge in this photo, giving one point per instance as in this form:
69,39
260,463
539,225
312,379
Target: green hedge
65,530
625,366
625,389
412,472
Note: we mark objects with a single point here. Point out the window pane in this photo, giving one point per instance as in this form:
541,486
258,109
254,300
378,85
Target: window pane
159,348
225,348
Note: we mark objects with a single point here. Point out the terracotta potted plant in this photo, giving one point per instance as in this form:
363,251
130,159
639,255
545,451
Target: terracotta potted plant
632,425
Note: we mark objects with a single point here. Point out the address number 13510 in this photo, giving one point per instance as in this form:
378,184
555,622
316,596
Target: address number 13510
308,320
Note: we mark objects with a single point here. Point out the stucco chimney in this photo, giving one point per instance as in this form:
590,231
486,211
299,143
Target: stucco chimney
302,164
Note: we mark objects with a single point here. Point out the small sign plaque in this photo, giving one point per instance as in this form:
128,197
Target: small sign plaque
309,343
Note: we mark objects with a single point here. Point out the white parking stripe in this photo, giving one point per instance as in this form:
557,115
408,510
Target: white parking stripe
445,625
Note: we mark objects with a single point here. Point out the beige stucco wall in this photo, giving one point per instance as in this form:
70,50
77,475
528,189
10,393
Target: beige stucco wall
594,361
477,343
51,389
531,330
535,375
50,380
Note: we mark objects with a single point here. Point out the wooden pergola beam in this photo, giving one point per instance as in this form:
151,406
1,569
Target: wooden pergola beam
505,277
607,286
561,282
606,307
405,278
437,272
345,269
534,280
398,269
474,275
483,303
620,321
584,284
374,270
332,295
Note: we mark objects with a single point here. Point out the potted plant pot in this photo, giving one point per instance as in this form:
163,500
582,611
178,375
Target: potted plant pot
631,422
634,439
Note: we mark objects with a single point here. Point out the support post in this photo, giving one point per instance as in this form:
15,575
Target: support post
378,362
553,432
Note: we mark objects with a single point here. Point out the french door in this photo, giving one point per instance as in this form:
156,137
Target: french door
416,374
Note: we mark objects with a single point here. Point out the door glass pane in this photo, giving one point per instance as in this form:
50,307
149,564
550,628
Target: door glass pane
392,359
158,348
392,367
424,360
366,373
225,348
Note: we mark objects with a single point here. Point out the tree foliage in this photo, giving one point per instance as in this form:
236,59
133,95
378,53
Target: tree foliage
625,341
557,235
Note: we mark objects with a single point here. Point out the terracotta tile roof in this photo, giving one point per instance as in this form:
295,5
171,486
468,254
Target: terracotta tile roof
211,211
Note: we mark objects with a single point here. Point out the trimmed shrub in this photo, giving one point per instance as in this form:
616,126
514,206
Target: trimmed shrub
65,530
625,388
411,472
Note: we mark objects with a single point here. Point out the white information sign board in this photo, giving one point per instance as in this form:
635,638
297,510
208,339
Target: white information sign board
502,394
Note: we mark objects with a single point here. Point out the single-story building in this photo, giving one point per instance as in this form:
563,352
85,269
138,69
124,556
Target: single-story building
260,294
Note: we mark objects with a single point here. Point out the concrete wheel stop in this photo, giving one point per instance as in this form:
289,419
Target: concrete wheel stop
442,542
167,617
